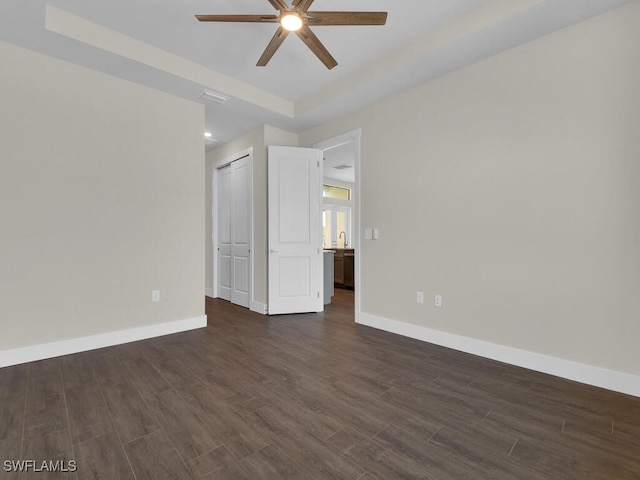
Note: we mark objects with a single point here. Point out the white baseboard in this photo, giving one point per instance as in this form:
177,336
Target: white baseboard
92,342
580,372
258,307
209,292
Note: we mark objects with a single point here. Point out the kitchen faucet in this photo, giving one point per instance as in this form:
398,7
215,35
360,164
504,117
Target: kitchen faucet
345,237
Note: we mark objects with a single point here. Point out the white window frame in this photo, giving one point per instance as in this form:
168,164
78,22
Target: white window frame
334,224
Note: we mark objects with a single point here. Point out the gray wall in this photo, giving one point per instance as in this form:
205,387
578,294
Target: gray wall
101,201
511,188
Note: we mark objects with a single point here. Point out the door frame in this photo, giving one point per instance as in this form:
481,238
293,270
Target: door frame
352,136
214,218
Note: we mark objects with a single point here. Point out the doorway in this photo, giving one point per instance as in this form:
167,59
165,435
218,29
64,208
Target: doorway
232,229
341,219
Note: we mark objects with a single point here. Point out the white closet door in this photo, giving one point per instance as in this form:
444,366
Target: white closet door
240,231
224,233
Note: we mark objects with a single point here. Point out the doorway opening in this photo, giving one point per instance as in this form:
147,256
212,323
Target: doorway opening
341,209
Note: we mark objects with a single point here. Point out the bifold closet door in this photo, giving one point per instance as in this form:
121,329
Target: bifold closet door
224,232
234,232
240,231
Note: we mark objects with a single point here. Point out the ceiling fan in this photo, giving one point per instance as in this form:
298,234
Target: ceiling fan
298,19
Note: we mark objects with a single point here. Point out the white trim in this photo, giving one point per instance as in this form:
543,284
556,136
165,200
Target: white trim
209,292
92,342
259,307
580,372
352,136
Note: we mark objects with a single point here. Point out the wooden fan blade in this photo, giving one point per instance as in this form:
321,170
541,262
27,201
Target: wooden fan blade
279,4
346,18
274,44
316,46
238,18
302,5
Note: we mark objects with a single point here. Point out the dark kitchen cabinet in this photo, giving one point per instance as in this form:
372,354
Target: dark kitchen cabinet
343,267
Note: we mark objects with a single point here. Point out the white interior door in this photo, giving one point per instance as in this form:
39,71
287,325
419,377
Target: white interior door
240,231
224,232
234,232
295,237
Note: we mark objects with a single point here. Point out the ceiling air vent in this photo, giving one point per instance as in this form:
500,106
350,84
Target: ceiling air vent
214,97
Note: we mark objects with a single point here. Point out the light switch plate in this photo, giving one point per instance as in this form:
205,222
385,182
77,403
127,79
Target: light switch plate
368,233
375,234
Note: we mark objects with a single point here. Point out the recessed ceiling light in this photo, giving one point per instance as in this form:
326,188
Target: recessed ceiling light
214,97
342,167
208,134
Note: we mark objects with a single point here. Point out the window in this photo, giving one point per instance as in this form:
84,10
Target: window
336,227
329,191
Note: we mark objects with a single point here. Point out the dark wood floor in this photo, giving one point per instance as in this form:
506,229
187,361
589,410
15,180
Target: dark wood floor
308,397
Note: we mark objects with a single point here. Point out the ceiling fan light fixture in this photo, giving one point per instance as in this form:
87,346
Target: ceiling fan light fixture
294,16
291,22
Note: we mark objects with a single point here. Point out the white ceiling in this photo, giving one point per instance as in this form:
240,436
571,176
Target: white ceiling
341,156
159,43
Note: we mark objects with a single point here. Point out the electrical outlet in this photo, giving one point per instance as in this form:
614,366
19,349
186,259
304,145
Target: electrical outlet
420,297
437,300
155,295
